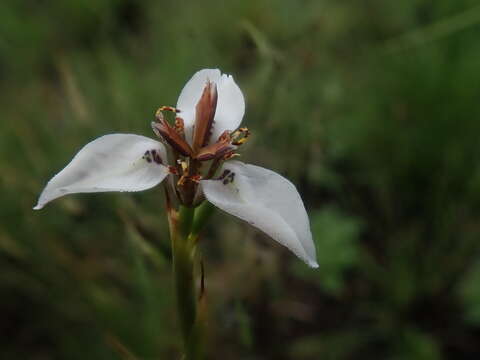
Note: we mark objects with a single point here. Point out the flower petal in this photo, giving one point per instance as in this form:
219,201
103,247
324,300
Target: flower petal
267,201
230,103
230,107
115,162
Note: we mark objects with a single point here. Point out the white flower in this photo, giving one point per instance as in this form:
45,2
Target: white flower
202,142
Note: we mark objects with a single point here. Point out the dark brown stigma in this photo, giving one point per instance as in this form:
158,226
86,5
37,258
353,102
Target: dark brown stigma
204,115
171,135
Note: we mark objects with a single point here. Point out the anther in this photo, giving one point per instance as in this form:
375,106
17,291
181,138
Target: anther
230,155
184,166
240,136
179,126
168,108
240,142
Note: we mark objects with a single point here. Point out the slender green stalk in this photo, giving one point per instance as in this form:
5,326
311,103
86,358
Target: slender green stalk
183,271
185,220
202,215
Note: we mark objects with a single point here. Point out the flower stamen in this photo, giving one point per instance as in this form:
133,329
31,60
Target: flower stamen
230,155
180,126
167,108
182,180
240,136
184,166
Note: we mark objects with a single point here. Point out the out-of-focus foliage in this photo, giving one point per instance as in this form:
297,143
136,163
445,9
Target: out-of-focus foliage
370,107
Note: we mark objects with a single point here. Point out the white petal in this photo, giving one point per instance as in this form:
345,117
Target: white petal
230,103
112,162
230,106
267,201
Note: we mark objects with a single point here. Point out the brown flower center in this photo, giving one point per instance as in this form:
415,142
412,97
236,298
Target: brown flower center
188,159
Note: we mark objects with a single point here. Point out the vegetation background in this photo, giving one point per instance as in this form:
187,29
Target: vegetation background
371,107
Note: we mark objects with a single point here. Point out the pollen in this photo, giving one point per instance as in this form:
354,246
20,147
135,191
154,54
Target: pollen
240,136
184,166
180,126
230,155
168,108
241,141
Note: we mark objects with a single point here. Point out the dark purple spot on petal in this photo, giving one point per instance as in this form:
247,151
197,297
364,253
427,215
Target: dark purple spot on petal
224,174
147,156
156,156
228,177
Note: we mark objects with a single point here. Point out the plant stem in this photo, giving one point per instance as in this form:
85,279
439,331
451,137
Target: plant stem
183,271
202,215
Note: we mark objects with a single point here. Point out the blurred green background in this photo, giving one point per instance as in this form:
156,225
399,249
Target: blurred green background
371,107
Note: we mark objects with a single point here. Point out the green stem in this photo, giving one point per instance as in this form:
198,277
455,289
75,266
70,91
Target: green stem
186,220
183,271
202,215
